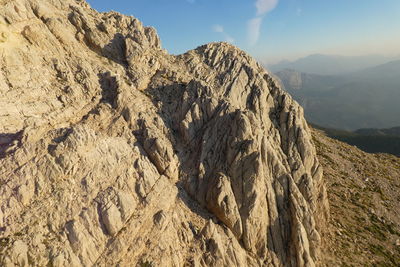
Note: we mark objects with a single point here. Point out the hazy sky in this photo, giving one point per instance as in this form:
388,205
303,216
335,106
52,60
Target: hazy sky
271,30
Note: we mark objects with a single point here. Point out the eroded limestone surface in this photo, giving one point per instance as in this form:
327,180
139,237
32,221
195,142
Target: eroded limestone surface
114,153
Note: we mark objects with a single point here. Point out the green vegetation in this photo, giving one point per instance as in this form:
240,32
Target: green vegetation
373,143
380,250
377,142
4,242
145,263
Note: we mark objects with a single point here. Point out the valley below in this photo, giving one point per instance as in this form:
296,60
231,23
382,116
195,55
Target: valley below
366,98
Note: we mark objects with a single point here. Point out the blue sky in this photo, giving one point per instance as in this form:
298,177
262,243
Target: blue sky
271,30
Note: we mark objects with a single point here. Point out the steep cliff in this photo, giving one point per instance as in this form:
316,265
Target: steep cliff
114,153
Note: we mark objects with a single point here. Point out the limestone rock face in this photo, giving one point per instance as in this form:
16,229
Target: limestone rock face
114,153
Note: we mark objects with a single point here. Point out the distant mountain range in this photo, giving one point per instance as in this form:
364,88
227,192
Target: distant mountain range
331,65
367,98
395,131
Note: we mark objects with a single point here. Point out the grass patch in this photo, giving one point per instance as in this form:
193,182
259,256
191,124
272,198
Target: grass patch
390,260
145,263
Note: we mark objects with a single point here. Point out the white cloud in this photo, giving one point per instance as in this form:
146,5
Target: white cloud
265,6
220,29
254,24
253,30
217,28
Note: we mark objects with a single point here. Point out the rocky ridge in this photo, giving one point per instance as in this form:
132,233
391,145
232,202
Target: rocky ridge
114,152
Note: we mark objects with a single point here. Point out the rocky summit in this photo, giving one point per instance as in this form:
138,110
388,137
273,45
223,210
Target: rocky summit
115,153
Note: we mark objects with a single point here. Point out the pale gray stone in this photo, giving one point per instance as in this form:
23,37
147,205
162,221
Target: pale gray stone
123,154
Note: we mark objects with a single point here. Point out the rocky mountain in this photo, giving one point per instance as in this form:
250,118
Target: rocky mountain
332,65
363,99
115,153
293,80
